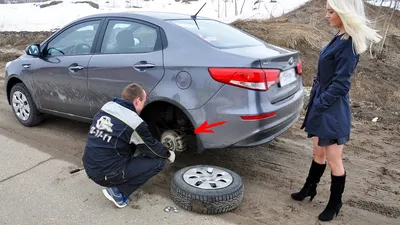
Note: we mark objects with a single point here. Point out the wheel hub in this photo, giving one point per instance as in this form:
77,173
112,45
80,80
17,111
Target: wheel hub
20,105
207,178
174,140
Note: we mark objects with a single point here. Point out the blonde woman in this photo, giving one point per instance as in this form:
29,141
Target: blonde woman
328,117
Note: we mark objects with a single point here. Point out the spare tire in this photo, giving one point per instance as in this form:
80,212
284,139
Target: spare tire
207,189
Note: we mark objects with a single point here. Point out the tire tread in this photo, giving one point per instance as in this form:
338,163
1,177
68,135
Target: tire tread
36,117
207,204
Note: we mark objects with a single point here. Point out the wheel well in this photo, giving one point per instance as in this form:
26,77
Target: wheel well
161,116
13,81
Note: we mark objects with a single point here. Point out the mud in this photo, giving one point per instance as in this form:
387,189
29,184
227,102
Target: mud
388,211
270,172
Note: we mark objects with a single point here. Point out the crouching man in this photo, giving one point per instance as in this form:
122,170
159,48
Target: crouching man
117,133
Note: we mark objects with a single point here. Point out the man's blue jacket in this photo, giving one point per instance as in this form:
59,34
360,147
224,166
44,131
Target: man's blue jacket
114,136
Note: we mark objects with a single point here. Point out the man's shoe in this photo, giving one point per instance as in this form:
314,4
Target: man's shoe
114,195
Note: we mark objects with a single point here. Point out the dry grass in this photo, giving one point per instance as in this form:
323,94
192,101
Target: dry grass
5,57
2,67
313,13
92,4
303,37
21,40
44,5
284,33
14,43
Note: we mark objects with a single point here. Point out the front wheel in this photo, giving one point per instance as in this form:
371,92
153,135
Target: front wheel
24,107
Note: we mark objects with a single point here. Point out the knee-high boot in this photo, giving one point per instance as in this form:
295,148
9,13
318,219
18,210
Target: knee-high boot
335,199
310,187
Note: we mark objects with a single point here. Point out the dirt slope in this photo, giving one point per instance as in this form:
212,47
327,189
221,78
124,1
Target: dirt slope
376,83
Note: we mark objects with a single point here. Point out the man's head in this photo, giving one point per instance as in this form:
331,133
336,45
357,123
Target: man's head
135,94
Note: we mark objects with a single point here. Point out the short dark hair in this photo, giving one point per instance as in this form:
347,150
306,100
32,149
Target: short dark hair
133,91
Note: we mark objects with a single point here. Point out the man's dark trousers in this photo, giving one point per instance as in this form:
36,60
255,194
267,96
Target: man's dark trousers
137,172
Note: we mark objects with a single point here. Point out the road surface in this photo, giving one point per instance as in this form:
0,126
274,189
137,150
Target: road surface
37,188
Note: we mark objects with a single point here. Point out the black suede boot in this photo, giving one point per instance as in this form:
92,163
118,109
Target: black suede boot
310,187
335,199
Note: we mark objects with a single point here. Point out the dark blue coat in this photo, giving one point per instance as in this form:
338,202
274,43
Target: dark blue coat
328,113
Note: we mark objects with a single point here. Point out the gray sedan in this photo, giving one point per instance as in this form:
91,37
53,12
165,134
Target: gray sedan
196,71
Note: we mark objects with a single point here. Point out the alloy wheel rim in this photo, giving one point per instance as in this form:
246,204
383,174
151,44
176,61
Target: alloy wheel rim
21,105
207,177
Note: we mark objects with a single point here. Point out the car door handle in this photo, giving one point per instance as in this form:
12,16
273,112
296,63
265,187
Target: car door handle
75,68
147,65
143,65
26,66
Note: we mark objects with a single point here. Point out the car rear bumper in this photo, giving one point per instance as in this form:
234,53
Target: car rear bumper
268,134
228,105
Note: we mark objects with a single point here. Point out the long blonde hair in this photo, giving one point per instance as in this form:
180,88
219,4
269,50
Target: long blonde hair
355,23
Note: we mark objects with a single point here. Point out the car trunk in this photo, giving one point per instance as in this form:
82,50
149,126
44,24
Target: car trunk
272,57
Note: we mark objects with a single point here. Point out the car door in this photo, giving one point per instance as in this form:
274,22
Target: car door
61,74
129,51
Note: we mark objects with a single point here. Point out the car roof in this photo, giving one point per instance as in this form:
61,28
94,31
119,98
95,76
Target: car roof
144,15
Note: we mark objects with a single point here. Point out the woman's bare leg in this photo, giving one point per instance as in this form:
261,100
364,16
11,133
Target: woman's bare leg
334,157
319,152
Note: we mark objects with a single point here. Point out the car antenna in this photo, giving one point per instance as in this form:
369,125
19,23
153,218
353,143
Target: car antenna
194,17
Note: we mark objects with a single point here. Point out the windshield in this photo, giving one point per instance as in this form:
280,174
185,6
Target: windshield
217,33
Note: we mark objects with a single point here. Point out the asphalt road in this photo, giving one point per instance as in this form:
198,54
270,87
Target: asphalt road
36,188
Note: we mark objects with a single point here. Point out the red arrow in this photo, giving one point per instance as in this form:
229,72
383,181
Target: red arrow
203,128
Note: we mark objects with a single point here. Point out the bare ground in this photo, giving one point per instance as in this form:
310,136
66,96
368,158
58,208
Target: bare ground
272,171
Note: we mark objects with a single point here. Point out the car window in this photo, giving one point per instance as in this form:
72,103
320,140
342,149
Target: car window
76,40
216,33
129,37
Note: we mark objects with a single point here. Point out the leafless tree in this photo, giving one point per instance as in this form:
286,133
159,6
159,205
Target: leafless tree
241,10
387,18
394,4
236,9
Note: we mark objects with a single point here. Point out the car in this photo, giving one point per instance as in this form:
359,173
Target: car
197,71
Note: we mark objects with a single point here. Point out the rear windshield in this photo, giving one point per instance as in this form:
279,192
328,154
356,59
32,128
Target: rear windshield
217,33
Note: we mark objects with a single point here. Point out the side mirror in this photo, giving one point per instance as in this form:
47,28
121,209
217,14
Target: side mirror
33,50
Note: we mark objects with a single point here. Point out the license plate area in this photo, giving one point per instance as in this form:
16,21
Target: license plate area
287,77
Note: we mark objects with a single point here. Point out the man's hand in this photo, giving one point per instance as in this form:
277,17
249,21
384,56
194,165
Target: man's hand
171,158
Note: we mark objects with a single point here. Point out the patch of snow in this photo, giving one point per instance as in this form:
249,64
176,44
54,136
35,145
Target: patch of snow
264,9
30,17
385,3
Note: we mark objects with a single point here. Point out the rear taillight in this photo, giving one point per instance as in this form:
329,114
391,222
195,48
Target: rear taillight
299,67
254,79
